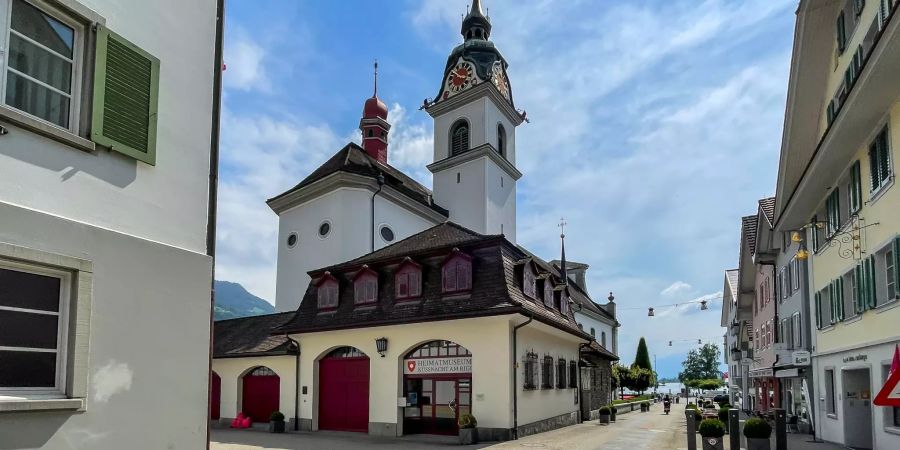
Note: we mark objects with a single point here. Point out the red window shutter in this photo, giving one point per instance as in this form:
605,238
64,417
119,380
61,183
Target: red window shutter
450,277
415,285
464,274
403,285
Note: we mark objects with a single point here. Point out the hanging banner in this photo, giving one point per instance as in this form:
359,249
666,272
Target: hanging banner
428,366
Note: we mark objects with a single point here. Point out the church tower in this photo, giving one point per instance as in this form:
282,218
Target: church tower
374,125
475,123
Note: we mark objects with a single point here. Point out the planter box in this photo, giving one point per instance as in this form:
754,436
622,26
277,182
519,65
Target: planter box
276,426
758,444
712,443
468,436
604,418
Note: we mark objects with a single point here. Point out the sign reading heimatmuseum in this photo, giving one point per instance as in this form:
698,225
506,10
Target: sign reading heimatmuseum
425,366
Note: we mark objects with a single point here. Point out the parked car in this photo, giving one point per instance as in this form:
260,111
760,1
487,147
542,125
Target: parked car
721,398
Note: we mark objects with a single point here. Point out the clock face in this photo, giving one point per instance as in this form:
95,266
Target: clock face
461,77
500,79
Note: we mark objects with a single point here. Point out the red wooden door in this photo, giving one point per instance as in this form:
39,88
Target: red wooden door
260,397
344,394
215,395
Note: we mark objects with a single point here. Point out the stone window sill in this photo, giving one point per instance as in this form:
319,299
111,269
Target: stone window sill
56,404
36,126
875,195
893,303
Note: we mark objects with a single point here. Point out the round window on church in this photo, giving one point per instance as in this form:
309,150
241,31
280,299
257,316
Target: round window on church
292,240
387,234
324,229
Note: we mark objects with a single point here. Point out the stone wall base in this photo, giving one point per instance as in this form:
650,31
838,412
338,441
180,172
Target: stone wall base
550,423
382,429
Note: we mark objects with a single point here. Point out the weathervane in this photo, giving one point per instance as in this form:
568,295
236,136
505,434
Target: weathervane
562,227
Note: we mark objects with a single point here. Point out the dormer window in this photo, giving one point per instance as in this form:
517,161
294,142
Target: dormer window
459,137
563,303
529,283
408,281
548,292
365,286
327,288
456,272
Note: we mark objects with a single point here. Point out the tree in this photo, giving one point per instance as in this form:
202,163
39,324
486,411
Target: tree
641,379
621,378
642,357
702,363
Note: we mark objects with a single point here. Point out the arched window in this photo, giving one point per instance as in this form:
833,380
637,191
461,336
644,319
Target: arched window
346,352
365,286
501,140
408,281
603,339
457,273
370,132
328,292
437,349
459,137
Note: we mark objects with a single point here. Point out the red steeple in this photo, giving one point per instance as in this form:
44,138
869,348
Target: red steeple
374,125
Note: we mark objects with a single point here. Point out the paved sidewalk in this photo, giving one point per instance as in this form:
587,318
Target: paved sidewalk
228,439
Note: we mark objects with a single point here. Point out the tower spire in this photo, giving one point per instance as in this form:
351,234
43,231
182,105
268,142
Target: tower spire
375,93
475,25
562,258
374,125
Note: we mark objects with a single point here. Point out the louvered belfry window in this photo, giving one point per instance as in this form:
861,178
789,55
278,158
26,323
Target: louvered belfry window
126,87
459,138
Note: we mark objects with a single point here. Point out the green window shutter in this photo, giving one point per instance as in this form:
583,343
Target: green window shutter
841,33
896,266
860,304
855,188
840,295
126,90
832,302
815,234
871,295
818,310
873,165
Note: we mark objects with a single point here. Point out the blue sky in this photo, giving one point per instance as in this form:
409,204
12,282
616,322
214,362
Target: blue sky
655,125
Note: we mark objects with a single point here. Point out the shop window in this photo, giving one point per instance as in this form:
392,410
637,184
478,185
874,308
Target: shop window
327,290
829,391
547,373
561,369
529,283
408,281
457,272
573,374
531,369
891,413
365,286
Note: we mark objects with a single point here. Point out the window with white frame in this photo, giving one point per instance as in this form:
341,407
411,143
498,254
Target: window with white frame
823,308
829,391
797,329
849,294
795,279
886,272
34,304
42,67
879,160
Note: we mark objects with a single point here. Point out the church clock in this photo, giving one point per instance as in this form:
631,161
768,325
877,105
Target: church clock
461,77
500,79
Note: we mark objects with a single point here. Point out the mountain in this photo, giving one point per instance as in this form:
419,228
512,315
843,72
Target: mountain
233,301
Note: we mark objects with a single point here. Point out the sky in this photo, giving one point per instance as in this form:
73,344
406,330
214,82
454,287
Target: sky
654,126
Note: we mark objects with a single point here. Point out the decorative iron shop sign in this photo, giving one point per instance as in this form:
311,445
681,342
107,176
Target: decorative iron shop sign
860,357
800,358
427,366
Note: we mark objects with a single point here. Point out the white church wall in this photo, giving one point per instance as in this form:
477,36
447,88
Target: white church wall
466,198
474,113
501,201
348,211
588,322
494,117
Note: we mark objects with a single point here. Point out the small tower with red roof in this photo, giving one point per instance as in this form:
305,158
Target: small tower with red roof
374,125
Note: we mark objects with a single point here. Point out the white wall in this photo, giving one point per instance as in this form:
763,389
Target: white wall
231,371
538,404
166,202
349,212
483,116
588,322
149,337
465,200
500,216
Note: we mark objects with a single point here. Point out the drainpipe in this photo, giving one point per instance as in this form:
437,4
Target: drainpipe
380,180
515,377
213,191
295,346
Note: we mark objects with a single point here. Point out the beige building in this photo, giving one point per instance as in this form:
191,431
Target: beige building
836,183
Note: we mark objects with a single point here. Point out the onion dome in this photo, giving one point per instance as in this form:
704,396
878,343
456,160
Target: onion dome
476,25
374,107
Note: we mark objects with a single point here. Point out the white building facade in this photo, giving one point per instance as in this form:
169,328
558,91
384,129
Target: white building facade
108,137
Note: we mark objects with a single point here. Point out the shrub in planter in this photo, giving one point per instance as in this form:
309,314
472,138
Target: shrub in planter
612,413
603,413
723,416
690,406
757,432
276,422
468,433
712,431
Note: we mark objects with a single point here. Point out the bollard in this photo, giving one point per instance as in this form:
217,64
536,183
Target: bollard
780,429
734,429
691,430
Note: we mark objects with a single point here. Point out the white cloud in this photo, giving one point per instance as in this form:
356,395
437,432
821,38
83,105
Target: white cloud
676,288
245,63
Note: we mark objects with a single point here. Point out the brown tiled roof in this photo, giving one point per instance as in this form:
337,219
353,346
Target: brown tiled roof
496,285
249,336
600,350
353,159
748,231
767,205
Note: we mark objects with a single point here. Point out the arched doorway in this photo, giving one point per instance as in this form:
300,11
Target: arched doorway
437,384
344,390
261,389
215,395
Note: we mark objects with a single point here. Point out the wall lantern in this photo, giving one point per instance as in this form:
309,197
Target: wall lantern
650,312
796,237
703,306
670,343
381,346
802,254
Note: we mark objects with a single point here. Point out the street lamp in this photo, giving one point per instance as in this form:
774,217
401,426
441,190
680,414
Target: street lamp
381,346
650,312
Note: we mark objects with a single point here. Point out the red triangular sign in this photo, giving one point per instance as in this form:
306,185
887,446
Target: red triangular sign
889,395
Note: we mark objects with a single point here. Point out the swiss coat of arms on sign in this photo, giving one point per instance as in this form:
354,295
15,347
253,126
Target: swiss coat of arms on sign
411,366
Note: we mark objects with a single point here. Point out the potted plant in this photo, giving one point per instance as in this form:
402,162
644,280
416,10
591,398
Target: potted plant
276,422
757,432
646,406
603,414
723,416
468,433
612,413
712,431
